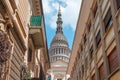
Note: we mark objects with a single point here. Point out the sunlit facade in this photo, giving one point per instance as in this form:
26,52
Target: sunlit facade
96,47
23,46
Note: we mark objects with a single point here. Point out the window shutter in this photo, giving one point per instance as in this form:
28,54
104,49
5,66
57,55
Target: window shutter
101,72
113,60
93,77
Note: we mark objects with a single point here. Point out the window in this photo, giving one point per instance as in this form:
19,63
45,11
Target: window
55,51
59,50
95,9
91,52
85,39
113,60
98,39
101,72
56,58
80,73
89,27
81,48
86,62
118,4
93,77
79,55
108,20
29,55
83,69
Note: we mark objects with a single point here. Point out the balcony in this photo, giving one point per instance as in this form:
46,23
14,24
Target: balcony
36,31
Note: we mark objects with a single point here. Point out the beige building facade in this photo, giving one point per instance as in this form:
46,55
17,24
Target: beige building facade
39,59
96,47
23,47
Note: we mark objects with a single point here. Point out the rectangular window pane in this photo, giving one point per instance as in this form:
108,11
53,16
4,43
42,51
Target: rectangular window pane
98,38
108,19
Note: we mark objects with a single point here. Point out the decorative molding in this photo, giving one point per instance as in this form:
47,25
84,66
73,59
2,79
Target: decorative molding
5,47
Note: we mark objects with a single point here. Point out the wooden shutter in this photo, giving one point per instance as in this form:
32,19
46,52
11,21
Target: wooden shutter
101,72
93,77
113,60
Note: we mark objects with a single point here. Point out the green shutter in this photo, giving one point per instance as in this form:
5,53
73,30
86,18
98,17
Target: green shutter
36,21
27,76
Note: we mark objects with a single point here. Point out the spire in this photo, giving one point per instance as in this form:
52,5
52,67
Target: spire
59,21
59,7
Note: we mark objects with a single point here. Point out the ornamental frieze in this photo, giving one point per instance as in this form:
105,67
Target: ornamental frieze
5,47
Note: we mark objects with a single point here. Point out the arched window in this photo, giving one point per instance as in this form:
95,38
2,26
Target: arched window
62,50
56,58
55,50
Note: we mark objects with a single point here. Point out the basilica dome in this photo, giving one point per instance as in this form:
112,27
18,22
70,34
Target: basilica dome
59,40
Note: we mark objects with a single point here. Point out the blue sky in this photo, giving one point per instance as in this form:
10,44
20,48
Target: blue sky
69,10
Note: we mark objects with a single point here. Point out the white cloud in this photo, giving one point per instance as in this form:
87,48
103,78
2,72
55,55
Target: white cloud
69,13
47,8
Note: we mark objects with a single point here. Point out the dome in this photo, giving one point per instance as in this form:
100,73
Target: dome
59,49
59,40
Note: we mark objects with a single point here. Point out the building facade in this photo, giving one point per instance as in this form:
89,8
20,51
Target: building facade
96,47
59,53
38,58
17,42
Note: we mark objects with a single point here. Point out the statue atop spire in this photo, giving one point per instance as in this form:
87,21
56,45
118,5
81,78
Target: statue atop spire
59,21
